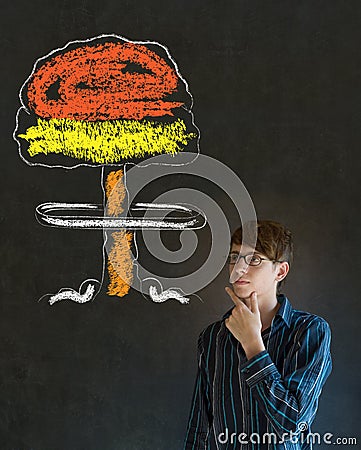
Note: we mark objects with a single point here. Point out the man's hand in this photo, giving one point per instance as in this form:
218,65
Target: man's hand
245,323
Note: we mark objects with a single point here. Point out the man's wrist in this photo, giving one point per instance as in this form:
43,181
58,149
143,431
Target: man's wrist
254,347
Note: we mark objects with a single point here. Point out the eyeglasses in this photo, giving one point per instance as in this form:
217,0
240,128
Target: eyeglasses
251,259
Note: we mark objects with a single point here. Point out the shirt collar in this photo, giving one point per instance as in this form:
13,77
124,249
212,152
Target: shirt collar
284,311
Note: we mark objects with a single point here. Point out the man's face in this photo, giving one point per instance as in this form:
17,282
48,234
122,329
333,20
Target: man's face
262,278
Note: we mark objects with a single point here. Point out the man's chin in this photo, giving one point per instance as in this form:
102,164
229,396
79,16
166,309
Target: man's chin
242,291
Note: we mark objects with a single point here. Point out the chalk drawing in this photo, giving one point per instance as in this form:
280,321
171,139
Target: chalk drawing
103,102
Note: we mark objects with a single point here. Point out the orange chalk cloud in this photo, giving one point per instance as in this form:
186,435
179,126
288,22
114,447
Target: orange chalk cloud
103,82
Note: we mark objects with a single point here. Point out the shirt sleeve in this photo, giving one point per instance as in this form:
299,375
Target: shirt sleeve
200,417
290,401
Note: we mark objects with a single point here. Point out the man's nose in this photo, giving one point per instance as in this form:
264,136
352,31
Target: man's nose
239,269
241,266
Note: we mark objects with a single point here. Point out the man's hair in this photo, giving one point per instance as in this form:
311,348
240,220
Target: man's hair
273,240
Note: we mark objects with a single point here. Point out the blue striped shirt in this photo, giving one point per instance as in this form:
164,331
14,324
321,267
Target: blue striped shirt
266,402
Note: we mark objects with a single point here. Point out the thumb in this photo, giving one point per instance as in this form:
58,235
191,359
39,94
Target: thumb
254,302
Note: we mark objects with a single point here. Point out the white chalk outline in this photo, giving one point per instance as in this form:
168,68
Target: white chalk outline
166,295
71,294
45,217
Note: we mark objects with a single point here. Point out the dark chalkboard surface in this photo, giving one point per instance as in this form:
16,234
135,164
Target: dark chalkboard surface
276,98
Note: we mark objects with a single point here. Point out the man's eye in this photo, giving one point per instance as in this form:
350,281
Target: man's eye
255,260
233,257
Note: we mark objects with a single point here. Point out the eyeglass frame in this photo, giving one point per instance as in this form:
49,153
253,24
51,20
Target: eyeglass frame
239,256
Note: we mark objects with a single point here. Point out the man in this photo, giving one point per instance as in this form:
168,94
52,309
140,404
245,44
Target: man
262,367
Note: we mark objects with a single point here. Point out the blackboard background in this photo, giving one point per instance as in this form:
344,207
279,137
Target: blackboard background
277,98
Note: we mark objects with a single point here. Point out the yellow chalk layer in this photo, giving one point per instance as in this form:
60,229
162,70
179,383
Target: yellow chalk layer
108,141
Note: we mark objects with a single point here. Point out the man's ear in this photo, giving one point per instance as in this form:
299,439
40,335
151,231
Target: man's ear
282,270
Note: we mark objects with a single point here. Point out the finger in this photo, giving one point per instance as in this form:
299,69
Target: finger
247,302
226,322
236,300
254,302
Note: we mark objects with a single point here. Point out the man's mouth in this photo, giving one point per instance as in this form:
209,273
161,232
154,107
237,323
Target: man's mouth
242,282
